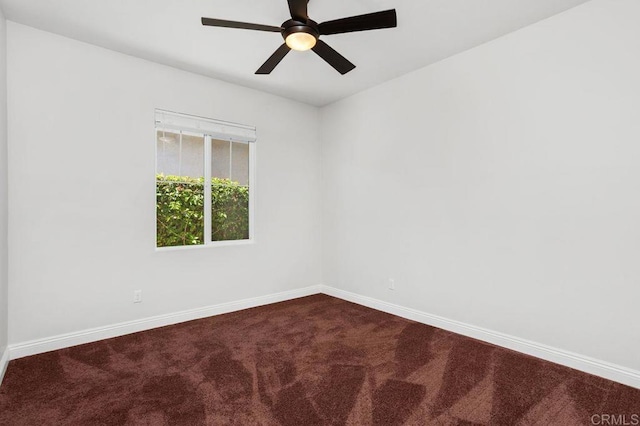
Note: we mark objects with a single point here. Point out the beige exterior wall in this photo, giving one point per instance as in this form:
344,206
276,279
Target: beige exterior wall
229,160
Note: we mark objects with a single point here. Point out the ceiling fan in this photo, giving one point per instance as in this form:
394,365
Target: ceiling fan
301,33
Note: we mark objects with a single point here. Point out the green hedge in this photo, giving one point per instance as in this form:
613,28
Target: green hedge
180,210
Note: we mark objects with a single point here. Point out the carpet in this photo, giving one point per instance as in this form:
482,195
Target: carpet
316,360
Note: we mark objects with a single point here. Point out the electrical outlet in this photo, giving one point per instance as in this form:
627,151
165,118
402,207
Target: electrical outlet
392,284
137,296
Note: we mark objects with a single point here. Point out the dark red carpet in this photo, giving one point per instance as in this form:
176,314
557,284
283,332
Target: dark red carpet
310,361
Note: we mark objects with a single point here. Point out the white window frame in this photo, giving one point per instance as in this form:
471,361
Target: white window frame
210,130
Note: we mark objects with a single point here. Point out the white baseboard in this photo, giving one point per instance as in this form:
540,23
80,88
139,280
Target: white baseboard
61,341
579,362
569,359
4,361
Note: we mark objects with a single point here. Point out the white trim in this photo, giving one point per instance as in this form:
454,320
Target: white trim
568,359
4,363
583,363
207,191
253,190
219,129
223,243
38,346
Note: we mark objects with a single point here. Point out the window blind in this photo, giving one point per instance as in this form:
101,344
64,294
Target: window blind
217,129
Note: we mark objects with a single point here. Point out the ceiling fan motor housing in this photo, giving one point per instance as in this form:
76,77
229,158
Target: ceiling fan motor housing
292,26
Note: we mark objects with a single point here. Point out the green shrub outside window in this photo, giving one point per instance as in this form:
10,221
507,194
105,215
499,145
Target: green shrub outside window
180,210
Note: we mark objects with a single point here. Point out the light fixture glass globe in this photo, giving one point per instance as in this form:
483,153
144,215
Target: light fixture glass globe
300,41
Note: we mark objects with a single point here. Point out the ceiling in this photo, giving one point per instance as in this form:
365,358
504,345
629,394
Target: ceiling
169,32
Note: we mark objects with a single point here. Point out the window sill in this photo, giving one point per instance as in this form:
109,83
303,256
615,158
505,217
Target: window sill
206,246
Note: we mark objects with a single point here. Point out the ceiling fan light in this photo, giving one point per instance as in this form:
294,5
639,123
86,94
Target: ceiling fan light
300,41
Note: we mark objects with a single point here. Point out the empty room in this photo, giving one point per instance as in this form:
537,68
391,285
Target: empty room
293,213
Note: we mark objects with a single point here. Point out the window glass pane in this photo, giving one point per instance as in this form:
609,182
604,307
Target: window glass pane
229,191
192,156
168,148
240,163
220,154
179,189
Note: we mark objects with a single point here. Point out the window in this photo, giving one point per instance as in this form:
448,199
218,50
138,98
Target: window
204,174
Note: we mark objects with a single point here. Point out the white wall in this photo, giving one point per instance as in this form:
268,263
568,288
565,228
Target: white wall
498,187
3,186
82,198
501,187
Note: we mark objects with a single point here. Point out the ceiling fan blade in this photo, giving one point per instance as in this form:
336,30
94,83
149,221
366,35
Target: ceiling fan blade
274,59
370,21
241,25
298,9
333,58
